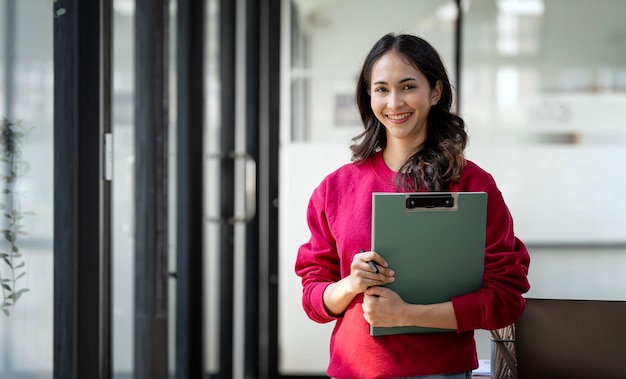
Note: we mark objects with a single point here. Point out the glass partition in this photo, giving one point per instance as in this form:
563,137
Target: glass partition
543,99
26,196
122,189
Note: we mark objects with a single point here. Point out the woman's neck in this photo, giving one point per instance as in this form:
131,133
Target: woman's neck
395,154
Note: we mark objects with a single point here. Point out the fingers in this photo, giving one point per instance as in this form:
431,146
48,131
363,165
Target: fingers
373,266
363,271
376,291
372,256
381,306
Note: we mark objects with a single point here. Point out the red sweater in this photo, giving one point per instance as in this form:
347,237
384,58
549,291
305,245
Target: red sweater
339,218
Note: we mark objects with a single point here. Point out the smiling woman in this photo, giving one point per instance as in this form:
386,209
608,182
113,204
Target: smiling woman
401,98
402,91
411,142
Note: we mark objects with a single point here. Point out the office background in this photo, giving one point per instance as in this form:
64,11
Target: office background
542,88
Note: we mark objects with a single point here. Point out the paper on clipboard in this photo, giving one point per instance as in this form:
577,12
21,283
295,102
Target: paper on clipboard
435,243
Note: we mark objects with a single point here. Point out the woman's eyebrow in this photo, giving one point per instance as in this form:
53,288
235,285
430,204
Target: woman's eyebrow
401,81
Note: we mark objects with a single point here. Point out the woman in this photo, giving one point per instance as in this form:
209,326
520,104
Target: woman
411,142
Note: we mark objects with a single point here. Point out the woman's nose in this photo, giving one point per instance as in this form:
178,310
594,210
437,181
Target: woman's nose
395,100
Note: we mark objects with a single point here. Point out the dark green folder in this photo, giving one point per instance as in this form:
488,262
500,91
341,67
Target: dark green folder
435,243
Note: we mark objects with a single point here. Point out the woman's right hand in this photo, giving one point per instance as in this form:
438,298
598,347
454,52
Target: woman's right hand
362,274
339,295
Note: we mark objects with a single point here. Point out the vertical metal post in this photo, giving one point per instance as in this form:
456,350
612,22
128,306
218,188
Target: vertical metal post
79,314
151,182
190,194
458,52
227,48
252,79
106,330
269,66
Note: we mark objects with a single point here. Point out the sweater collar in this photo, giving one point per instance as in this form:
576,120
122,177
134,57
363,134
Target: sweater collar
382,170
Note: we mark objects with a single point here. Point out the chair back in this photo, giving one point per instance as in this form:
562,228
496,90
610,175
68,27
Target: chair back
571,339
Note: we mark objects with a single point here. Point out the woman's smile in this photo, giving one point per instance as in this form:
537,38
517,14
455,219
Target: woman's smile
399,117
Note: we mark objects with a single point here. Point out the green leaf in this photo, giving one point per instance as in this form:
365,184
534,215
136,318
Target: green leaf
20,265
9,236
16,295
8,262
20,275
6,311
6,287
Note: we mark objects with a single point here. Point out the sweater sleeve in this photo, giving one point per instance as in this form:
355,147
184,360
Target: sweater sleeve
499,302
317,262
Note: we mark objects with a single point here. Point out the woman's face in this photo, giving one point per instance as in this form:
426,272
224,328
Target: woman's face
401,99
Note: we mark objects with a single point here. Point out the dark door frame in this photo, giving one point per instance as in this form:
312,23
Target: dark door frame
82,254
190,35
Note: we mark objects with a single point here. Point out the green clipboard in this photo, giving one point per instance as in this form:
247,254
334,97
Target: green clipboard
435,243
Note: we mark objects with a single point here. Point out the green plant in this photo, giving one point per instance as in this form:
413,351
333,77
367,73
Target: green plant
12,137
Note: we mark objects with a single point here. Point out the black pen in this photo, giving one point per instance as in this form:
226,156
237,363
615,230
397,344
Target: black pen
372,264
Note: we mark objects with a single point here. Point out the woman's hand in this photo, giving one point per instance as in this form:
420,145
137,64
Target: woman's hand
362,274
384,307
339,295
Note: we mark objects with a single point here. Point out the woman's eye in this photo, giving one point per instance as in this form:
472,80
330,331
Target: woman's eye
408,86
380,90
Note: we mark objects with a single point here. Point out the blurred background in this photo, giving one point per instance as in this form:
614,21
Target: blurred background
541,85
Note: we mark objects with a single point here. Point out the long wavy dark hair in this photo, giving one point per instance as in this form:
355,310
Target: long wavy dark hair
441,160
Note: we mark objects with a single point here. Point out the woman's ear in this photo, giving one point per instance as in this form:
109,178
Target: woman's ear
435,94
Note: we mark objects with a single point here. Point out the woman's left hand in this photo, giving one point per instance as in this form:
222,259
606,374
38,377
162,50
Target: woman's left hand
383,307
